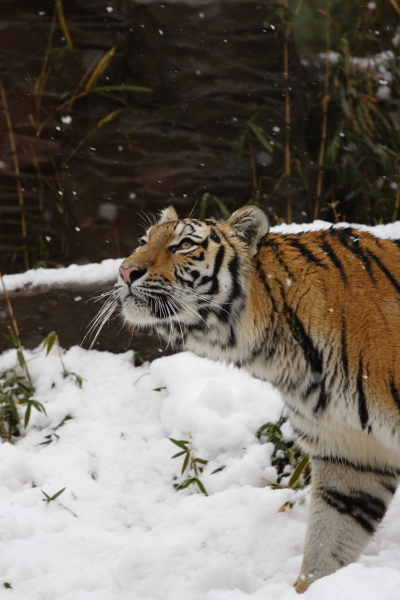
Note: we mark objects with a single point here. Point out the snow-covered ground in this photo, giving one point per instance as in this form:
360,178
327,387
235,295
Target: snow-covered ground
120,530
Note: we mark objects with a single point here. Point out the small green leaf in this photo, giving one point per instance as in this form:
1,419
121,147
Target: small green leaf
185,462
200,486
159,390
120,88
51,498
200,460
181,443
28,414
179,454
218,470
49,342
299,470
21,359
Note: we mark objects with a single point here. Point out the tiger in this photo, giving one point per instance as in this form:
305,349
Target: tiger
317,314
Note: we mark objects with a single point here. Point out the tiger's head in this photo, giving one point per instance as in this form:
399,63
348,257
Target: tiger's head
190,274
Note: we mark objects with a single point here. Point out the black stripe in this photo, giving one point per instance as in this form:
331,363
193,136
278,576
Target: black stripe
214,236
200,257
385,270
323,399
388,486
311,388
304,436
182,280
232,338
260,270
336,260
350,241
235,291
214,289
204,243
361,507
306,252
283,264
394,391
357,467
311,353
362,402
345,358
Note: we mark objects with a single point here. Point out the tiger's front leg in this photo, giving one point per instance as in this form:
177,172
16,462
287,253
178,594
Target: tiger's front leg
347,504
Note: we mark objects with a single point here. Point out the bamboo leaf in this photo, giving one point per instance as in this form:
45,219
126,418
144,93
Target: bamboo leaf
121,88
260,135
99,70
63,22
298,472
242,141
28,414
179,454
58,494
21,359
181,443
201,486
49,342
224,210
111,117
185,462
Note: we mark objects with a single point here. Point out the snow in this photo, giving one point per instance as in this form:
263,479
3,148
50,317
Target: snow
120,530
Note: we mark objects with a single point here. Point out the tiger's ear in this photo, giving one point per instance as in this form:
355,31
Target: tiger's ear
249,223
167,215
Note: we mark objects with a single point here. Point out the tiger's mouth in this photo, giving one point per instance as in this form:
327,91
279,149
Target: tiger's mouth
159,305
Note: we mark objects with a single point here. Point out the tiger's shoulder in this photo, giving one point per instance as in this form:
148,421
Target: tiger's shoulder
350,256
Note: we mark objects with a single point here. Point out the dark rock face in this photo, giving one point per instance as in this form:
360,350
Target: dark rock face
211,65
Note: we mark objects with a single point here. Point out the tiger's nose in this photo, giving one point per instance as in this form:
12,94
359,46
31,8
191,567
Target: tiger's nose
131,274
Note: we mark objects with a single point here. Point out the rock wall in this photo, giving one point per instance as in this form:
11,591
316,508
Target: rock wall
211,67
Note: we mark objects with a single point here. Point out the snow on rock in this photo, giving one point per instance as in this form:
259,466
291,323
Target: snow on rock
120,530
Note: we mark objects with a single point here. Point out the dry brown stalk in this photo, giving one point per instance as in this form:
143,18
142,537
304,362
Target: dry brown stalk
396,204
325,116
395,5
41,80
17,172
288,32
14,324
253,162
113,115
63,22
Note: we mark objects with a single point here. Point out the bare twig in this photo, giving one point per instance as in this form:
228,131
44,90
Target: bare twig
325,116
15,325
288,32
17,172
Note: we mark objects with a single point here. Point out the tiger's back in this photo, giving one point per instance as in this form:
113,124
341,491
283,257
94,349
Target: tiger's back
317,314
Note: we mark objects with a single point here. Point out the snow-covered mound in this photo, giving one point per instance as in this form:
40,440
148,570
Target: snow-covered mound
120,530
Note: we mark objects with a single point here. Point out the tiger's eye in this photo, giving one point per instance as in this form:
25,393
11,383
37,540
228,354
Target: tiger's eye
186,245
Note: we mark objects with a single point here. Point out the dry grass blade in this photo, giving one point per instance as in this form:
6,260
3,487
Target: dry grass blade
99,70
15,327
17,171
63,22
325,114
111,117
